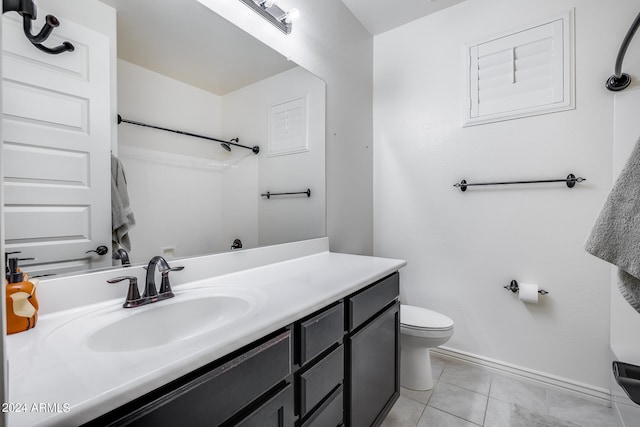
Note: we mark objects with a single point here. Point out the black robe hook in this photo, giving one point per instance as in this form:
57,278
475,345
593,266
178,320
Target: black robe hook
27,9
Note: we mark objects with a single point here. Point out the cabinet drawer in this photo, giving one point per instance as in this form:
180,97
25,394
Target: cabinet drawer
367,303
275,412
329,414
320,332
220,393
318,381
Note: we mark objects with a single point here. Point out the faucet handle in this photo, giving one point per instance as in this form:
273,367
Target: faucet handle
165,285
237,244
133,295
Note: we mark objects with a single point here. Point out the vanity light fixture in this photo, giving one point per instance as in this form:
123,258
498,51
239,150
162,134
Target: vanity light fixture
270,11
292,15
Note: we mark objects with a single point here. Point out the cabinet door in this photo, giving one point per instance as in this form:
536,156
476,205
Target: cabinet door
276,412
373,369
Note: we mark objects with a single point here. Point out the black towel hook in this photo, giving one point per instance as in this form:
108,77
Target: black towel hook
28,10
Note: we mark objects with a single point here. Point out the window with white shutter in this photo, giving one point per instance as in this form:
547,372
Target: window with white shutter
521,74
288,127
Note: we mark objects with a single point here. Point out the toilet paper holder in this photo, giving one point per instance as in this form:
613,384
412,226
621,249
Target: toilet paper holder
513,287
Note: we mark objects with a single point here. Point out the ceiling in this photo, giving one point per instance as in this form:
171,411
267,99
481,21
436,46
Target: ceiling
378,16
184,40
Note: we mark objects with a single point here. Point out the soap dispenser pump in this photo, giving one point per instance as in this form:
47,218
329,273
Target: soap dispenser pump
21,302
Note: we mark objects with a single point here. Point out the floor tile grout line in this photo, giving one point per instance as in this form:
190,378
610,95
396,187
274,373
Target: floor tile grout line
465,388
480,369
447,412
424,408
446,364
486,408
433,389
546,401
453,415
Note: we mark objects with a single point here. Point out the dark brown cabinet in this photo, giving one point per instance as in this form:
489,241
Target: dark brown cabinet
336,367
214,395
373,353
373,369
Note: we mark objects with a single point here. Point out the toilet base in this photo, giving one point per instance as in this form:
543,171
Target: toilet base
415,368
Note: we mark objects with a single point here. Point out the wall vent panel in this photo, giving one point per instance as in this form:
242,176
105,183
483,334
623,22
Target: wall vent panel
288,123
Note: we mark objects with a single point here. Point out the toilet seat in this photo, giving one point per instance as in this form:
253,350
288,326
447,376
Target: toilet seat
422,319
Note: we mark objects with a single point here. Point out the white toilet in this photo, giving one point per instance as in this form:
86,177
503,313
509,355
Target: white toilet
420,329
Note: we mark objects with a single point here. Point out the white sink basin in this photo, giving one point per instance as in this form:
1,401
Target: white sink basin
191,313
168,323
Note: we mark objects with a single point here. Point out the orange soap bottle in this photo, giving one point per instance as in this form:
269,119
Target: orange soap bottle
21,302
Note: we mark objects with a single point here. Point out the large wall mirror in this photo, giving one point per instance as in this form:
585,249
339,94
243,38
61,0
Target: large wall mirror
181,67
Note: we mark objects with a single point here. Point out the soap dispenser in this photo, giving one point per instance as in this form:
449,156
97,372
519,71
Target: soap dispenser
21,302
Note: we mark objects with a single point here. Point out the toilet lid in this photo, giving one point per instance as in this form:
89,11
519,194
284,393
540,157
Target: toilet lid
418,317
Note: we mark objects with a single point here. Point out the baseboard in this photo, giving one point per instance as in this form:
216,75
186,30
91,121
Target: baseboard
582,390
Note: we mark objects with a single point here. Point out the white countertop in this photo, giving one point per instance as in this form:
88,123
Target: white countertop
49,366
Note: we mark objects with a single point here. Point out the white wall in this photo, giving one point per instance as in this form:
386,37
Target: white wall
150,97
240,201
332,44
175,204
462,248
281,219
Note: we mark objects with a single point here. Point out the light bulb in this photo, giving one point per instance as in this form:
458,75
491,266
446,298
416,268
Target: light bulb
292,15
269,3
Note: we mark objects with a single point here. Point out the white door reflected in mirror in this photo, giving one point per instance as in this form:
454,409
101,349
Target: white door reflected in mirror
56,150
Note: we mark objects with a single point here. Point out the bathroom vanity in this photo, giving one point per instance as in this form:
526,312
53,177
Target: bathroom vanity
316,344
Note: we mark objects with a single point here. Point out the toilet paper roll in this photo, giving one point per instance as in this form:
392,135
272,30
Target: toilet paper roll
528,293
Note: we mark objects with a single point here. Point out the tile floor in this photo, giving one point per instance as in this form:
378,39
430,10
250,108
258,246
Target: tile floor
468,396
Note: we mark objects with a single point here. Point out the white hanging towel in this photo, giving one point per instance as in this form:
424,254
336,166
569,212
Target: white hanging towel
122,219
615,236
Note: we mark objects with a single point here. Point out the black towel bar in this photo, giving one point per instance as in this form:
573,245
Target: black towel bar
268,194
570,180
